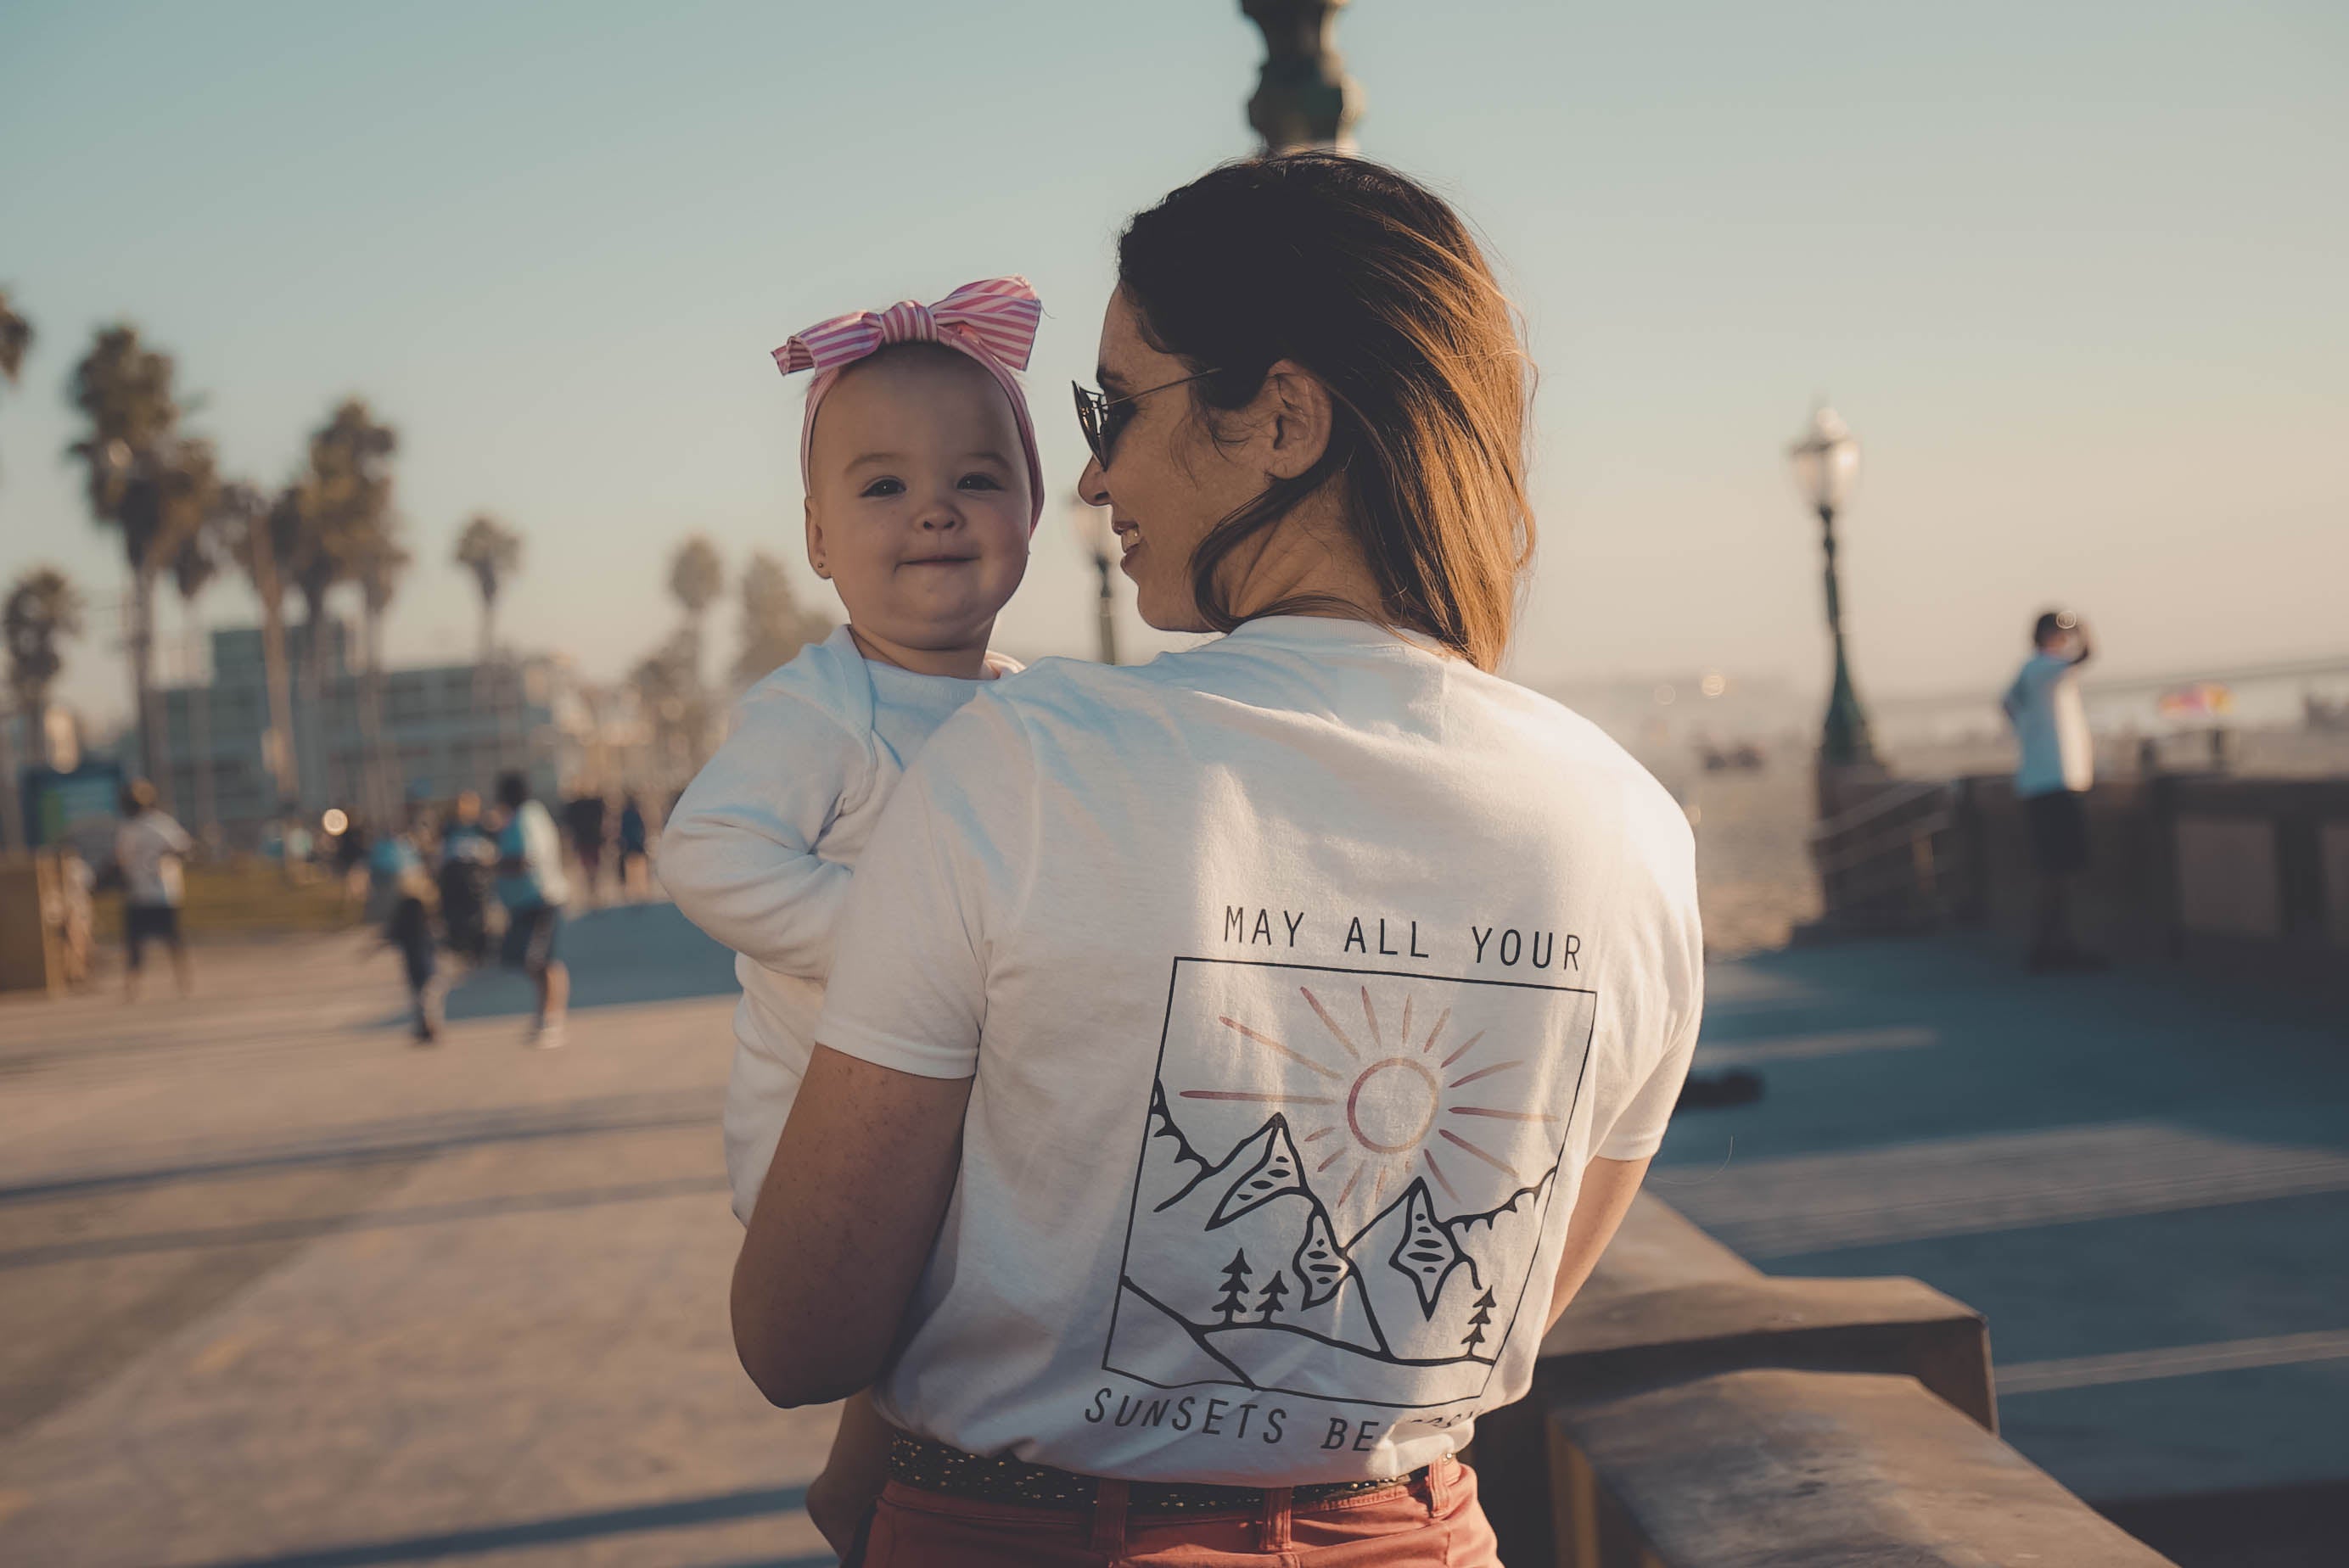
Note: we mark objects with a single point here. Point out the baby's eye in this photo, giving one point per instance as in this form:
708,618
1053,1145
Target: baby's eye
979,482
883,488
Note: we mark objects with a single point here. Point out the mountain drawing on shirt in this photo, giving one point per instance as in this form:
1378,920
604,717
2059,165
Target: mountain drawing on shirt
1339,1248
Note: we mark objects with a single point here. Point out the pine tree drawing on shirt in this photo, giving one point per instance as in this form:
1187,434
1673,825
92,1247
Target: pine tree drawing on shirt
1235,1277
1485,1305
1268,1301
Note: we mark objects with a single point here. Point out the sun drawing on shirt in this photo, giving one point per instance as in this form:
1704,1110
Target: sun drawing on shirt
1386,1108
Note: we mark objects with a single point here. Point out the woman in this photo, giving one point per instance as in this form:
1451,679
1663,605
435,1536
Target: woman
1233,1064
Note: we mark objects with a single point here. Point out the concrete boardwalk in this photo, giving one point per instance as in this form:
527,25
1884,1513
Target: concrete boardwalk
279,1290
2142,1180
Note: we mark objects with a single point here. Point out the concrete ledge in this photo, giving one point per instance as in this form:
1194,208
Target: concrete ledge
1623,1341
1657,1246
1809,1469
1667,1302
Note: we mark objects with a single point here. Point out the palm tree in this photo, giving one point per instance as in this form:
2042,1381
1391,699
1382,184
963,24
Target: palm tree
696,577
194,564
15,337
668,692
377,563
146,480
493,553
345,499
261,535
774,627
43,610
315,565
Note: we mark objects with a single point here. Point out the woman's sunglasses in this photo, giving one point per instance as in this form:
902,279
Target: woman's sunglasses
1102,417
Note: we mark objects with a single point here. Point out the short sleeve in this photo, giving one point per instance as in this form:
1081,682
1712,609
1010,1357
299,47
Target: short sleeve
937,895
2043,672
1638,1129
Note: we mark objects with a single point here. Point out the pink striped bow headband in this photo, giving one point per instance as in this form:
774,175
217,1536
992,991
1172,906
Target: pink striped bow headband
993,321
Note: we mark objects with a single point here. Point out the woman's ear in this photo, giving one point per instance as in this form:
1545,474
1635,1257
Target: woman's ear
816,542
1297,419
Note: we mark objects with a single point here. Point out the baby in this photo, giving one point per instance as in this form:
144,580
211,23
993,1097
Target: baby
923,489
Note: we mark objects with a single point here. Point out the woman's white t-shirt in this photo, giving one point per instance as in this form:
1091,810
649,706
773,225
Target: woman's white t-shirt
1300,973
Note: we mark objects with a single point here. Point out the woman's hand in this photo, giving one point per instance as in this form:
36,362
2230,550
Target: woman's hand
839,1499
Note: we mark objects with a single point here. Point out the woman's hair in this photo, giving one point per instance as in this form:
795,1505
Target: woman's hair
1373,284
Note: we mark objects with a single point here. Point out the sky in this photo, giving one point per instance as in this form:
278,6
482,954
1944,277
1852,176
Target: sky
2072,271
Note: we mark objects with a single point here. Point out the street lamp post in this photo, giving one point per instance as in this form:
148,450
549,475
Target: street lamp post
1304,99
1826,461
1100,541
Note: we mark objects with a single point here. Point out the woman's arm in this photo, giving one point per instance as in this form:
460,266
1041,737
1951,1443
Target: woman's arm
843,1226
1608,1188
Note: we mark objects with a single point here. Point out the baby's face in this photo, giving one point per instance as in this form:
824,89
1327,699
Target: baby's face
919,499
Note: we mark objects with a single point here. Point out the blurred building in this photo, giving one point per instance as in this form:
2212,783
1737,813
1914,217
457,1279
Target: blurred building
445,728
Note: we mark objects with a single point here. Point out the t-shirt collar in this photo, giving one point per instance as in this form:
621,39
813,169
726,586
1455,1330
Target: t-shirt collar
1323,632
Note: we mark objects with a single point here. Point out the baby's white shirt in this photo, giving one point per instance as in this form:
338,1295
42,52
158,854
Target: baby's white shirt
759,850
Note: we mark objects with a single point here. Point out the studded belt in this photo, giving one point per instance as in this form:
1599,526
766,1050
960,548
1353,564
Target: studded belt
934,1467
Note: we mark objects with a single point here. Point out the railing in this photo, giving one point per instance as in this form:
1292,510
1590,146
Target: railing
1886,862
2247,875
1689,1411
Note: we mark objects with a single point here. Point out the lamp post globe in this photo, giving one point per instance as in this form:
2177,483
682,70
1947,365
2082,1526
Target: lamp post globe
1826,461
1099,542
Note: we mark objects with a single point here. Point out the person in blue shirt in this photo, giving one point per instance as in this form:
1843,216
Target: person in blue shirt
469,854
401,896
2055,766
533,887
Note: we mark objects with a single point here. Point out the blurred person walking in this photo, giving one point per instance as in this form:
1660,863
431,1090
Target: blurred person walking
469,854
391,859
351,863
76,881
2052,779
636,840
405,894
532,886
584,818
148,850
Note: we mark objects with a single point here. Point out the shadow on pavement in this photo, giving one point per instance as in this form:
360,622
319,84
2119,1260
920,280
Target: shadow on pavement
719,1508
628,952
399,1141
311,1227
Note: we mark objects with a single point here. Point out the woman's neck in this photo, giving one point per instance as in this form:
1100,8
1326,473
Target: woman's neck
962,662
1309,560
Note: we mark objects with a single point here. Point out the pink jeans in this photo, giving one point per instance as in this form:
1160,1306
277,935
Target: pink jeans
1433,1523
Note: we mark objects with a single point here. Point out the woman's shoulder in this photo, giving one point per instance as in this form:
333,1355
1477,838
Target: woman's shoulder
1054,683
1562,744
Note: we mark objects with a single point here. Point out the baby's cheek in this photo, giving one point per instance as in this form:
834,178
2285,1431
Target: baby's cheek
1009,524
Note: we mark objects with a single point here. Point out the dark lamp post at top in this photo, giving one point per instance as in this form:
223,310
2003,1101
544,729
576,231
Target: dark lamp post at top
1099,539
1827,461
1304,99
